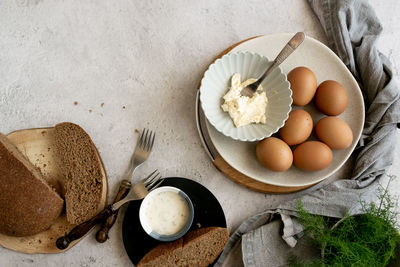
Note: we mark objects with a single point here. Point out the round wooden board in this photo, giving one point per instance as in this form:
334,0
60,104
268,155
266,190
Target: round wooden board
239,177
38,146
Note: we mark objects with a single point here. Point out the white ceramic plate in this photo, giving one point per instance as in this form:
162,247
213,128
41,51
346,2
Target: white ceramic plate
217,80
326,65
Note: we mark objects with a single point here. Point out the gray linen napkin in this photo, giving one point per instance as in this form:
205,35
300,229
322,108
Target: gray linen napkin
352,29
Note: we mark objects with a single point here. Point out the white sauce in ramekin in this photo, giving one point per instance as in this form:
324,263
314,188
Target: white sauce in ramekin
166,212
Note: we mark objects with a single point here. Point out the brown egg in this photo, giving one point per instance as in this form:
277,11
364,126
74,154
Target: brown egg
303,84
331,98
297,128
312,156
334,132
274,154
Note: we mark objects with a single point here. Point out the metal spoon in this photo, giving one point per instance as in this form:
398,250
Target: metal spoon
293,43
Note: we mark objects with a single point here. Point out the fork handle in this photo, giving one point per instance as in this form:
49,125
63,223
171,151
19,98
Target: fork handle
102,234
81,229
293,43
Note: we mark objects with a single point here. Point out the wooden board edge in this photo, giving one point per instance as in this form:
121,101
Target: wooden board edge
104,193
27,130
252,184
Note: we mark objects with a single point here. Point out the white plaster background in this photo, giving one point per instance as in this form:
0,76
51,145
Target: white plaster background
147,56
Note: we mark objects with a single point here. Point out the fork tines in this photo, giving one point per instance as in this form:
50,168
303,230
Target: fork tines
153,180
146,140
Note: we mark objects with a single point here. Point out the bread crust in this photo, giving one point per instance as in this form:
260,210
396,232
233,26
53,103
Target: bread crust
28,205
197,248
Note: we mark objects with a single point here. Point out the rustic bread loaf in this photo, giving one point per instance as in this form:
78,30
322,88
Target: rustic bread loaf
28,205
80,164
197,248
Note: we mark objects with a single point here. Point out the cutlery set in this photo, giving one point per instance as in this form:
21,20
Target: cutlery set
126,193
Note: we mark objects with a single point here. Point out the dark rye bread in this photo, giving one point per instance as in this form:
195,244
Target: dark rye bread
81,166
28,205
197,248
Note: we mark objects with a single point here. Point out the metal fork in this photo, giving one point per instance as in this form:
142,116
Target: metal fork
293,43
142,150
138,191
141,153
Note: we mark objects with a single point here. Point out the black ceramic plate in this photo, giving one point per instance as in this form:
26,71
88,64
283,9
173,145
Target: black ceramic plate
207,212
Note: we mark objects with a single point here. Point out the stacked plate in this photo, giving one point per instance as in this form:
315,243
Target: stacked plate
240,155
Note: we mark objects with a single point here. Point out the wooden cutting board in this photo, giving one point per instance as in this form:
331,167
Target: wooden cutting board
38,146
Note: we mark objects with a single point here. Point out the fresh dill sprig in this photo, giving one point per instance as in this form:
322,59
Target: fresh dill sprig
369,239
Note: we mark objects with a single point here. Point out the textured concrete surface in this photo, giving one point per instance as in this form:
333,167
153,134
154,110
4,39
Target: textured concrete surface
143,60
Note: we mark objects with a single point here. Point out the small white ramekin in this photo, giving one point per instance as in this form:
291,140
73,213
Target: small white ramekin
146,226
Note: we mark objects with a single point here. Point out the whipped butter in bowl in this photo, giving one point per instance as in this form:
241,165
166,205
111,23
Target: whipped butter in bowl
166,213
242,109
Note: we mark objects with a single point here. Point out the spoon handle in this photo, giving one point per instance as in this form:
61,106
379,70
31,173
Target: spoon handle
293,43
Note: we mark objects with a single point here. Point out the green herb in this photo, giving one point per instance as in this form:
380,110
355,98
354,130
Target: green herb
369,239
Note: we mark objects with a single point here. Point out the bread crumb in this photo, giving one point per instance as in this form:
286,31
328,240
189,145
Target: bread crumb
40,241
76,103
90,111
44,165
43,133
198,225
123,107
102,104
136,131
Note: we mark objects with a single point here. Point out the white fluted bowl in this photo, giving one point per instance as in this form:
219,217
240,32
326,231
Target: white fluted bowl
216,82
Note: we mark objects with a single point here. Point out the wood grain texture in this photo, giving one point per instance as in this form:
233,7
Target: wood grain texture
38,146
239,177
250,183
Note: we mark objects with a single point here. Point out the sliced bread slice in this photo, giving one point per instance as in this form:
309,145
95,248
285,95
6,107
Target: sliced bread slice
167,254
81,166
197,248
28,205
